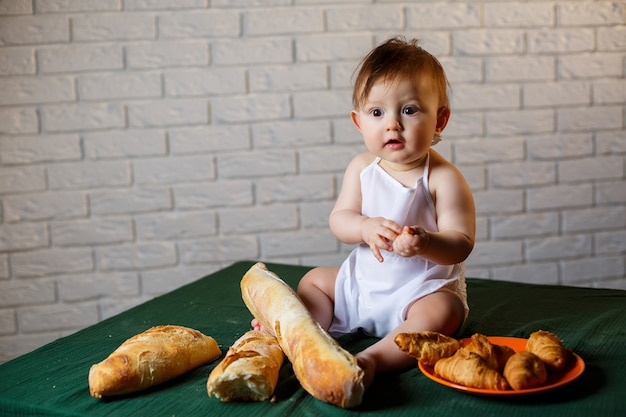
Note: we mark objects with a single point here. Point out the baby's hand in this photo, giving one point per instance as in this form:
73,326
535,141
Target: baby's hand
378,232
412,241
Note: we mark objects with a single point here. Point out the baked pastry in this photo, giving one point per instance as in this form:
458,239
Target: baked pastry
324,369
150,358
525,370
427,347
469,369
549,348
249,371
496,356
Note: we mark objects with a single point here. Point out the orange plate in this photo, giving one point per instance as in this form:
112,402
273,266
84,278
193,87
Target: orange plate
574,368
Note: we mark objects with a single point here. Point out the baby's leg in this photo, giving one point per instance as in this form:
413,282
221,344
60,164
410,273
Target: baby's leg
441,312
317,291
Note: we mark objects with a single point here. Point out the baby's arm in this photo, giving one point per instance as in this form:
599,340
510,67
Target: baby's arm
346,220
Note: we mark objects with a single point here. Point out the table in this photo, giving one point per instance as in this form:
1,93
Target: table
52,380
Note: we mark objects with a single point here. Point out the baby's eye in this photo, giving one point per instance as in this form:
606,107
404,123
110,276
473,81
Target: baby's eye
377,112
409,110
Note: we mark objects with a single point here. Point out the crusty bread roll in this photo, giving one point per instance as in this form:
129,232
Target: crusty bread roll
324,369
249,371
149,358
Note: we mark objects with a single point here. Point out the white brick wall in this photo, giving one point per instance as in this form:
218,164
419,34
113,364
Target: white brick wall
146,143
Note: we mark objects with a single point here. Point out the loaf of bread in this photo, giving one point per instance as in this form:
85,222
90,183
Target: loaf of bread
324,369
150,358
249,371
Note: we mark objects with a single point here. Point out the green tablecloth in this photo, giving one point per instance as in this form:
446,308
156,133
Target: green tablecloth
52,381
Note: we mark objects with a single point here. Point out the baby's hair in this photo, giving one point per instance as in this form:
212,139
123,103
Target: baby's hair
398,58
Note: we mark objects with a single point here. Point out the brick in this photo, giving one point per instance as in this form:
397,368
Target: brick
29,90
258,164
610,142
211,195
137,256
114,26
330,47
4,267
23,236
594,219
592,269
65,6
597,168
611,192
30,149
17,60
258,107
27,291
298,242
513,14
610,242
164,4
440,15
315,215
165,54
44,206
199,24
475,175
74,58
294,189
95,174
488,42
23,30
559,145
560,40
496,253
205,82
18,120
560,197
326,159
525,121
171,112
294,133
372,17
16,7
174,169
72,117
292,20
57,316
464,124
591,13
110,307
523,225
609,92
315,104
612,38
252,51
16,345
44,262
488,150
565,93
345,133
83,287
205,139
178,225
91,232
22,179
119,86
500,96
498,201
545,273
125,143
258,219
288,78
590,118
130,201
558,247
220,249
8,324
157,282
515,68
521,174
591,65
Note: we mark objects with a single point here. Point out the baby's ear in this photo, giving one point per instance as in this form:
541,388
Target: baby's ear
443,115
356,121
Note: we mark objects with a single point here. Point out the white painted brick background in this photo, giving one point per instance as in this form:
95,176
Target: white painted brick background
147,143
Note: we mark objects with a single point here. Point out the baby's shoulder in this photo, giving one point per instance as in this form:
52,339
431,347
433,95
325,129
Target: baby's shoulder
361,161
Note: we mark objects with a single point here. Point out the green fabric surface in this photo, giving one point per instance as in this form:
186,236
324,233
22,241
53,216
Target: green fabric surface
52,380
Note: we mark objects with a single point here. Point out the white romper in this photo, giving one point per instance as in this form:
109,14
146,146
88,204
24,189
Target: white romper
375,296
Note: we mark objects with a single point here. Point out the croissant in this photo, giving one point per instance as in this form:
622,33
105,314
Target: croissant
549,348
525,370
428,347
495,355
470,369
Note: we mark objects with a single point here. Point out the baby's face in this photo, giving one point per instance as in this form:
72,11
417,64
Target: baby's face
399,119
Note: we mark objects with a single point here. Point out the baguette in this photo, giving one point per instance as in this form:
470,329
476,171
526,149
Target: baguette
249,371
150,358
325,370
